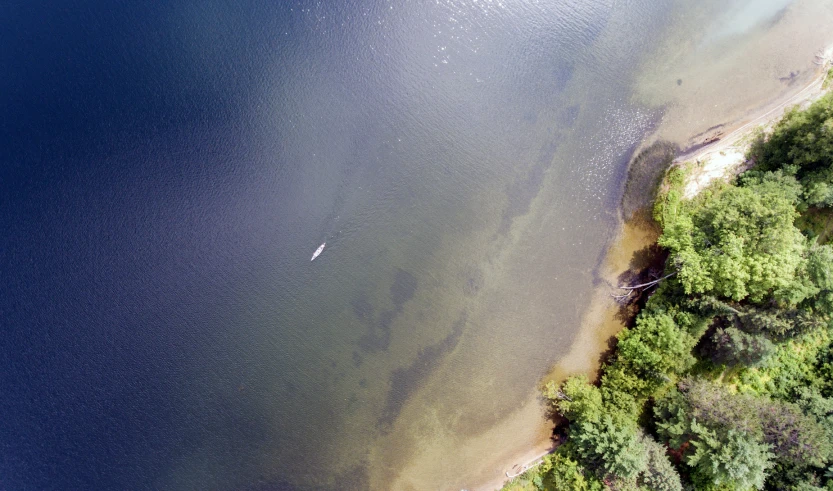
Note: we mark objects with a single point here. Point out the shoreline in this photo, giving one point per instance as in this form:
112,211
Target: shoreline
726,155
720,154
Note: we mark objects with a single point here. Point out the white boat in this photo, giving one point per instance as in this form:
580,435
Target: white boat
318,251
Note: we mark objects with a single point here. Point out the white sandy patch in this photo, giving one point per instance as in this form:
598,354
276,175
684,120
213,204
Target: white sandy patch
718,166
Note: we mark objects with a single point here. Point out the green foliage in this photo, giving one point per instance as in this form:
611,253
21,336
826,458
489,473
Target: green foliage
624,392
612,447
712,306
659,474
578,400
824,370
703,409
802,143
817,225
814,403
735,460
794,363
669,200
818,188
737,242
731,346
797,439
656,346
802,139
774,323
819,270
794,479
672,415
561,472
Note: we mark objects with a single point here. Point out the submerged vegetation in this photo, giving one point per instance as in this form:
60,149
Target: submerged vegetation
725,379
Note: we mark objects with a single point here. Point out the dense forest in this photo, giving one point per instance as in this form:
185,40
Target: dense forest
725,379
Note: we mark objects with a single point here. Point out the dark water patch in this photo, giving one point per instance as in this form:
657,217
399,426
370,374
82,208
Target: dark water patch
569,115
290,388
403,288
473,280
386,319
357,359
790,79
377,338
644,175
362,308
562,74
405,381
522,191
353,403
547,153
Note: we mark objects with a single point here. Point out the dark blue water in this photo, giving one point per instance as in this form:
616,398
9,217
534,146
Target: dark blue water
167,169
119,259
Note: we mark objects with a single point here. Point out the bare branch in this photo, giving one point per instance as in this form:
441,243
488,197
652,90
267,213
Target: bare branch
622,297
650,283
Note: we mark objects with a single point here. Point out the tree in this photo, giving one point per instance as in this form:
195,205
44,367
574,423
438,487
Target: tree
624,391
818,188
731,346
561,472
796,438
703,409
659,474
577,400
738,242
802,145
736,460
800,138
774,323
820,274
612,447
672,417
655,346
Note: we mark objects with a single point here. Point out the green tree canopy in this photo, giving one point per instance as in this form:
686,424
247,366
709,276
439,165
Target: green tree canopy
659,474
732,346
738,242
802,143
801,138
655,346
735,460
820,275
577,400
561,472
613,447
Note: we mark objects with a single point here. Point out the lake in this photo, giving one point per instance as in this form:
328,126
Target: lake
169,168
